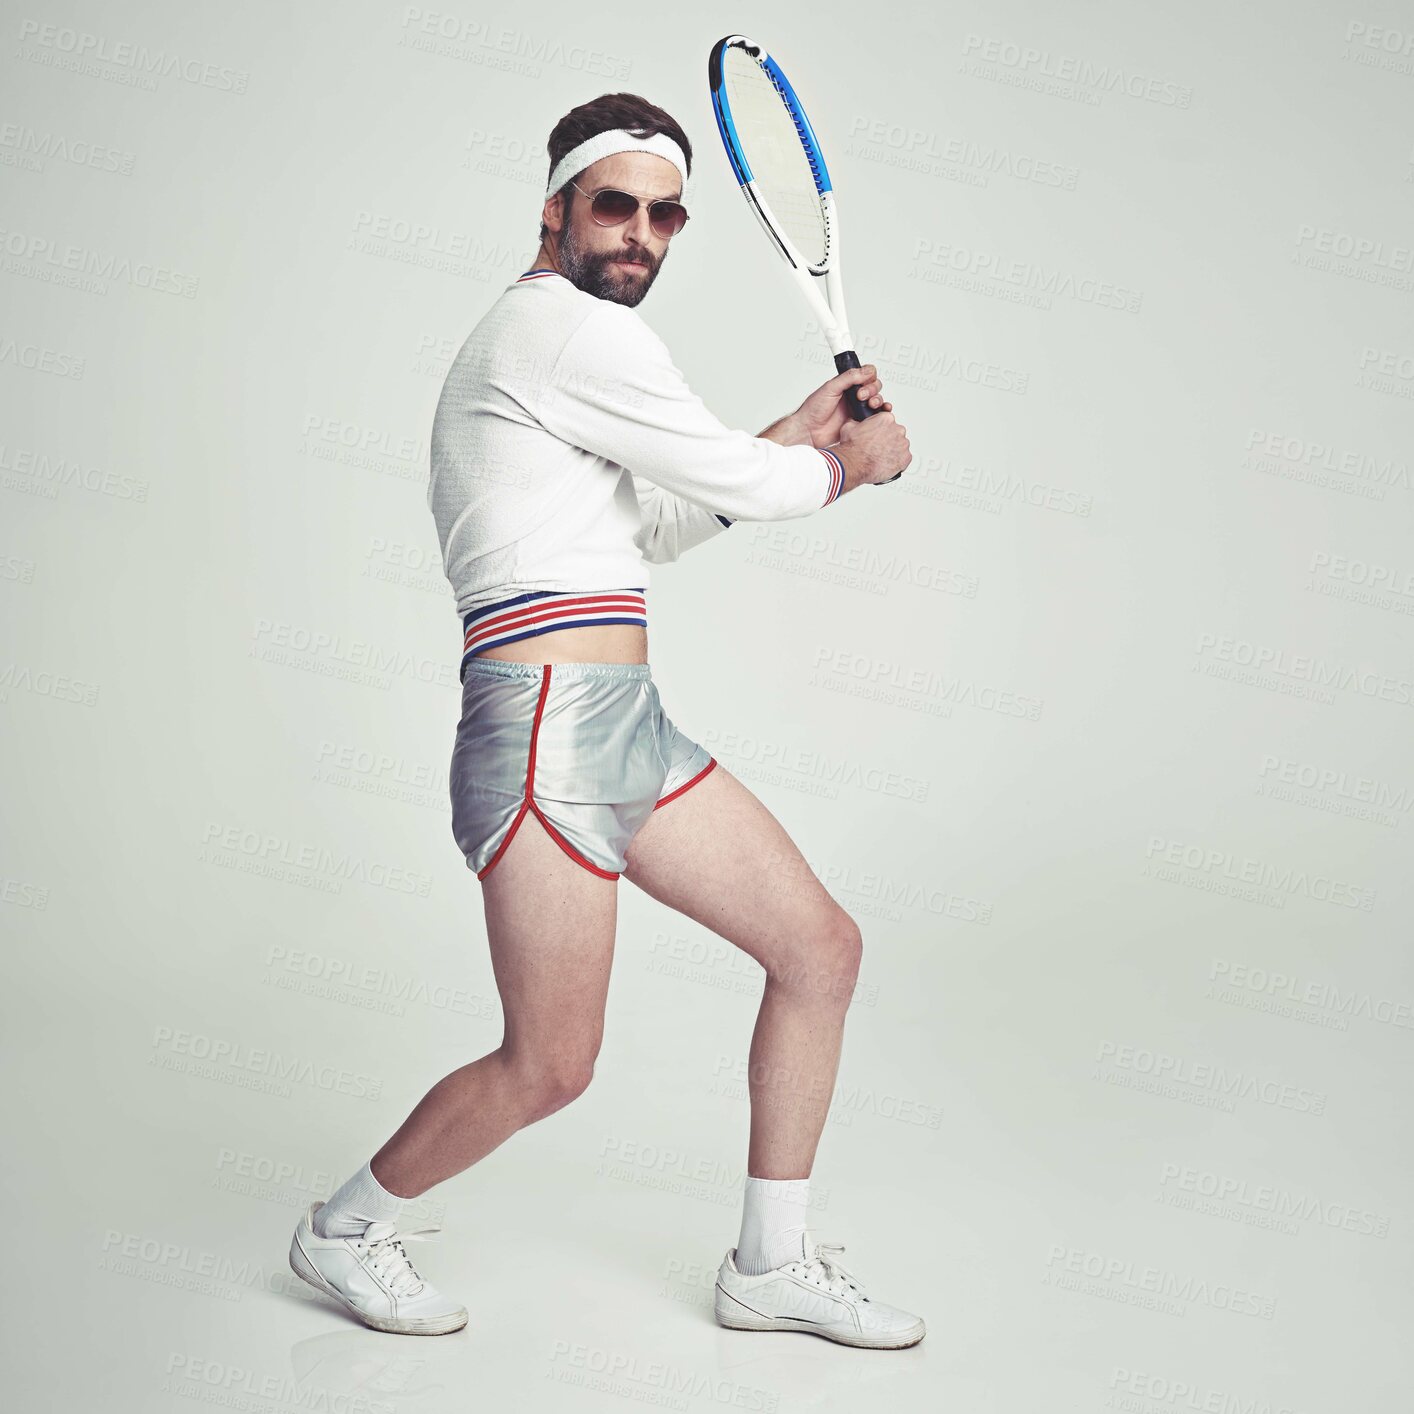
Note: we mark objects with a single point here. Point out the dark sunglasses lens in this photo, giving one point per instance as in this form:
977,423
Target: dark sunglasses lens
614,207
667,217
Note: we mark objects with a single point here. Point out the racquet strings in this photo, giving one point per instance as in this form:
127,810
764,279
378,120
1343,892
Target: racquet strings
780,168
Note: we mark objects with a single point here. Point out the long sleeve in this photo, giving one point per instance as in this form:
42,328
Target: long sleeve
671,524
615,392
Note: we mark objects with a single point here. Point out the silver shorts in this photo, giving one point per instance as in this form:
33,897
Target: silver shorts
586,746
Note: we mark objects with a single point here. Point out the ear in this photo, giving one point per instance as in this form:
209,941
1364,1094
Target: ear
553,213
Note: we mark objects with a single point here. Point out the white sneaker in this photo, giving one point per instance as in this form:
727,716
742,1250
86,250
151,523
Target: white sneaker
373,1276
816,1295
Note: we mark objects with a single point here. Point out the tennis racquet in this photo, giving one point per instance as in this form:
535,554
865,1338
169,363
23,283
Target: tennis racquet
781,171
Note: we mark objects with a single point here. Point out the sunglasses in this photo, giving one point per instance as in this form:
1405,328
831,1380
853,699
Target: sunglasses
612,208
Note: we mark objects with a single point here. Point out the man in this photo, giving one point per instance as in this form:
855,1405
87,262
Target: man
567,455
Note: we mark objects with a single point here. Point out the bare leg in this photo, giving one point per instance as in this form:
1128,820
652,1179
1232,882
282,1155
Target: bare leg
717,855
550,924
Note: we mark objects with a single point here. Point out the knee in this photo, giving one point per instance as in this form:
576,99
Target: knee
827,965
846,948
550,1087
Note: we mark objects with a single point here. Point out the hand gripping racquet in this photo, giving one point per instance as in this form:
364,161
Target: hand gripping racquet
782,174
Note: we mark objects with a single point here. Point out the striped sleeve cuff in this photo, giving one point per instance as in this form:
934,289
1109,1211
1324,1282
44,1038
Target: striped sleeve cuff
723,519
836,475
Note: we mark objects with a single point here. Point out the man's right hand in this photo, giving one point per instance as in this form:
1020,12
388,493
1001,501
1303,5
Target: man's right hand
873,451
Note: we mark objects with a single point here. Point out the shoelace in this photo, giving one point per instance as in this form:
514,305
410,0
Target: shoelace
837,1277
388,1259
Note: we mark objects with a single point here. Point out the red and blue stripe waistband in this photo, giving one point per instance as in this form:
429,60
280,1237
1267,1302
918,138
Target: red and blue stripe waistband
547,610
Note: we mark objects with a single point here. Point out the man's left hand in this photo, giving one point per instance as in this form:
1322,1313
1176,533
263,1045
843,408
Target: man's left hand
821,417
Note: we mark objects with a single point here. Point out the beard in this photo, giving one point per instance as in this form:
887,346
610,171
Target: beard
597,274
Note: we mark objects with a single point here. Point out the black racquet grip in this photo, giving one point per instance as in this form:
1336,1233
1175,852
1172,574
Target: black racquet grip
858,410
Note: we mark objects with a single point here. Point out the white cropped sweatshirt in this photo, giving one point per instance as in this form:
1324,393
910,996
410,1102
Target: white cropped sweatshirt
568,453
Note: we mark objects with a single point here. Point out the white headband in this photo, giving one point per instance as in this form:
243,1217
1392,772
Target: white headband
606,145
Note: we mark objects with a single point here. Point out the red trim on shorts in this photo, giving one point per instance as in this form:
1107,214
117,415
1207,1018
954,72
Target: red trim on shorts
674,795
529,803
568,848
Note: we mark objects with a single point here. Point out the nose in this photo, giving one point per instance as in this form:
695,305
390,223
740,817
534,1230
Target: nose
638,227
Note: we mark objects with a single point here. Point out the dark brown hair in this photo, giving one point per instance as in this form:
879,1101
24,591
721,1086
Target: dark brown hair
599,115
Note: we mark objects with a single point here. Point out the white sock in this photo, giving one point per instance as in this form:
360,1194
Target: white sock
772,1224
362,1200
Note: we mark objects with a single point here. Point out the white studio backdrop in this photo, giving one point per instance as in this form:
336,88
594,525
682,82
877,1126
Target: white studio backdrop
1098,721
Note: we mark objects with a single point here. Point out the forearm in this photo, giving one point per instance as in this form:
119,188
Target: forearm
672,525
853,465
786,432
649,422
